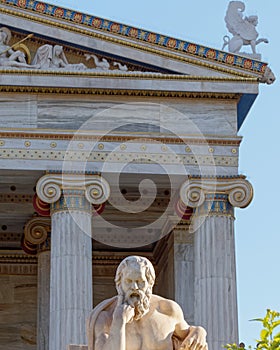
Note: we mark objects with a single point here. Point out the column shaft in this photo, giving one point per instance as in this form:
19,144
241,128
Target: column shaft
43,308
70,197
71,278
184,273
215,280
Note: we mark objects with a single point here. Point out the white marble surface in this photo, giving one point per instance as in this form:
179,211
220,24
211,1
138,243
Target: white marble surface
191,117
71,279
18,110
145,82
184,278
215,280
138,319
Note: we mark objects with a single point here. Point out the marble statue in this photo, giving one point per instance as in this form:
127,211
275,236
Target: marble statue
121,67
100,64
48,56
268,76
243,29
8,56
136,319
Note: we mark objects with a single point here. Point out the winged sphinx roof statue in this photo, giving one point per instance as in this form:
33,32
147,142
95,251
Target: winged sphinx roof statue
242,28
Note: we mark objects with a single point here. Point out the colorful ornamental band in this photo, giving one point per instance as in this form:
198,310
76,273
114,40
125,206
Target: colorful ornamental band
44,209
140,34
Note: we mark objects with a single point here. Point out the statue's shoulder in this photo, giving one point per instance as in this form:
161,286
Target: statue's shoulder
98,319
106,306
166,306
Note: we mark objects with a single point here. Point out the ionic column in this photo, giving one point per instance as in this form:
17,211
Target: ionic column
37,241
184,270
215,306
70,197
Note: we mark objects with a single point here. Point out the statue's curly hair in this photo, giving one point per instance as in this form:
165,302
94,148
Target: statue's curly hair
140,261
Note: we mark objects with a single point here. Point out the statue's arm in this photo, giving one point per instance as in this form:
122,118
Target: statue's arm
110,330
191,337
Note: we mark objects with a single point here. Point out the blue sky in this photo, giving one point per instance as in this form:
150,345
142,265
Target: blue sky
257,227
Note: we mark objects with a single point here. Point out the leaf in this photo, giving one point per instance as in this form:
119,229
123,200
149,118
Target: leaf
257,319
275,324
264,334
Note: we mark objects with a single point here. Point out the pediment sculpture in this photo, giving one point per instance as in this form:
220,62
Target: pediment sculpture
242,28
48,57
12,56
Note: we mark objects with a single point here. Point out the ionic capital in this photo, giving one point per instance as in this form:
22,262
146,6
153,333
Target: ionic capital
50,186
239,191
36,235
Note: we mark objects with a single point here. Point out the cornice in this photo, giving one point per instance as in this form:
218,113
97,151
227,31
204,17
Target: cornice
119,75
114,92
173,45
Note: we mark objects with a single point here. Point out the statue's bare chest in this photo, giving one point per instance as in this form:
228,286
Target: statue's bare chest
150,334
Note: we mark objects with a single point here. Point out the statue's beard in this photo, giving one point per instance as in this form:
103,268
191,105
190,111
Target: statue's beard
140,301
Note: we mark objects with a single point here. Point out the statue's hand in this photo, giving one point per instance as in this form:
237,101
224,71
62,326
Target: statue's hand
123,311
195,340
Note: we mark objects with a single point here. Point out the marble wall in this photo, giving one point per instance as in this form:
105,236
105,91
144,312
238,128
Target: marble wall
214,116
18,307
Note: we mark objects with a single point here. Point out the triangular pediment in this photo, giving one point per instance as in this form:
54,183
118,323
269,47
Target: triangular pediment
101,45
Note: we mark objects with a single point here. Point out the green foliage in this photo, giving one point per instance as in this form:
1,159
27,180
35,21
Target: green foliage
269,335
235,347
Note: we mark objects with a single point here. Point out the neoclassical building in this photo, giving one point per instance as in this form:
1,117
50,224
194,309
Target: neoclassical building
115,141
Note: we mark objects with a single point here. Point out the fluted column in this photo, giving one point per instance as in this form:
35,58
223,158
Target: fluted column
43,309
37,241
70,197
184,270
215,306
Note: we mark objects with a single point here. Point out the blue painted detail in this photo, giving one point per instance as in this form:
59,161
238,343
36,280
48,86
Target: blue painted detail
136,33
245,103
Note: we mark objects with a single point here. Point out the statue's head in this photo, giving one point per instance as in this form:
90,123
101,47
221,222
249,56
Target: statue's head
134,279
253,19
57,50
5,35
